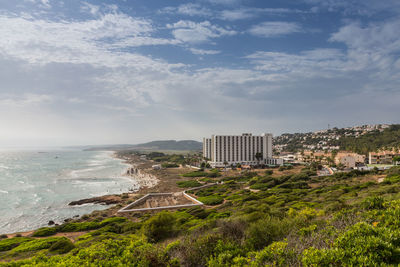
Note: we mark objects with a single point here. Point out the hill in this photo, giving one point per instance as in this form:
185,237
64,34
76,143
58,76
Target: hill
360,139
269,218
183,145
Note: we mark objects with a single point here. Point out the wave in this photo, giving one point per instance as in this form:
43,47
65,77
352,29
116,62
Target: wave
3,191
4,167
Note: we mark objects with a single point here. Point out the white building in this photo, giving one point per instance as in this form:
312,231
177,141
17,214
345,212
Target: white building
207,148
242,149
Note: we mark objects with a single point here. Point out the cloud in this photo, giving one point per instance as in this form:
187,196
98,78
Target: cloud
189,9
92,9
224,2
87,42
193,32
247,13
270,29
204,51
356,7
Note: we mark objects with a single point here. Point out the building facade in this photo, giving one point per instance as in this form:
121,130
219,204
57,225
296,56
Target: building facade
207,148
245,149
383,157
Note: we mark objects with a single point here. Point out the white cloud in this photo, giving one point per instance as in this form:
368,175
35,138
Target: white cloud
224,2
92,9
193,32
189,9
247,13
270,29
204,51
89,42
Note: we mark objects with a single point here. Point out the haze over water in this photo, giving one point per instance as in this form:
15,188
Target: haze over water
36,186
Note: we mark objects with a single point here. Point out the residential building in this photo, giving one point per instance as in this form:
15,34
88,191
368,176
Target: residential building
240,149
383,157
349,159
207,148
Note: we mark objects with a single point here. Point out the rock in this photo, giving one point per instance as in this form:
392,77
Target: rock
51,223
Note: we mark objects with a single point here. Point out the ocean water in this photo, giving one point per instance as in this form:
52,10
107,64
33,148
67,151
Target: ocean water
36,186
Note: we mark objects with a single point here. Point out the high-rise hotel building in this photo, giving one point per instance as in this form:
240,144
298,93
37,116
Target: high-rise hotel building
242,149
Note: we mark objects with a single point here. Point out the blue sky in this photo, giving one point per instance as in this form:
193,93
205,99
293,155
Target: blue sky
101,72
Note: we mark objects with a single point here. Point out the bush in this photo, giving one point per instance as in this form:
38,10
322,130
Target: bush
211,200
373,203
169,165
78,227
10,243
188,184
62,246
113,220
45,231
36,244
361,245
3,236
195,174
160,226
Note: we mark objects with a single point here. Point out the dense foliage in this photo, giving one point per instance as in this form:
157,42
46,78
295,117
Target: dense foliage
260,220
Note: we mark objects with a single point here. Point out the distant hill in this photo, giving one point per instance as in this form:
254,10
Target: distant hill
360,139
189,145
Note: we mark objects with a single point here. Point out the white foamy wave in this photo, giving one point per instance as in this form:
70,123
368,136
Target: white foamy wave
4,167
3,192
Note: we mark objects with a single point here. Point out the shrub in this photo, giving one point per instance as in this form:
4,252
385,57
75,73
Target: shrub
276,254
45,231
361,245
188,184
3,236
62,246
36,244
373,203
169,165
78,227
263,232
269,172
10,243
195,174
160,226
113,220
211,200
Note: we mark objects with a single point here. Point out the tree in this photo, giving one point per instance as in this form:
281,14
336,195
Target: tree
396,160
225,163
258,156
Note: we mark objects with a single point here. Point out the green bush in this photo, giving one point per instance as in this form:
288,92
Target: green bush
10,243
45,231
169,165
188,184
62,246
361,245
195,174
211,200
160,226
36,244
113,220
78,227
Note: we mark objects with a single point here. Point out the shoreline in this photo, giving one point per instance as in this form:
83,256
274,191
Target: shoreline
144,180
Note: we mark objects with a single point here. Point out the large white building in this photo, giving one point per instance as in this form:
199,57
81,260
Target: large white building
242,149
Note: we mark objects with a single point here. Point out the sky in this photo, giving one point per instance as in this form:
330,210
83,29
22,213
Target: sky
129,71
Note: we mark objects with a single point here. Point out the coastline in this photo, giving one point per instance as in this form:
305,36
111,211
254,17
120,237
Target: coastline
150,181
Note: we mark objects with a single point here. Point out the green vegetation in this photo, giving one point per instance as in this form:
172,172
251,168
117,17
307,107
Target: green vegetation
300,219
169,165
200,173
45,231
372,141
211,200
188,184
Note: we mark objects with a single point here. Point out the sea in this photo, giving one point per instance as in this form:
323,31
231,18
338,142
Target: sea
36,186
